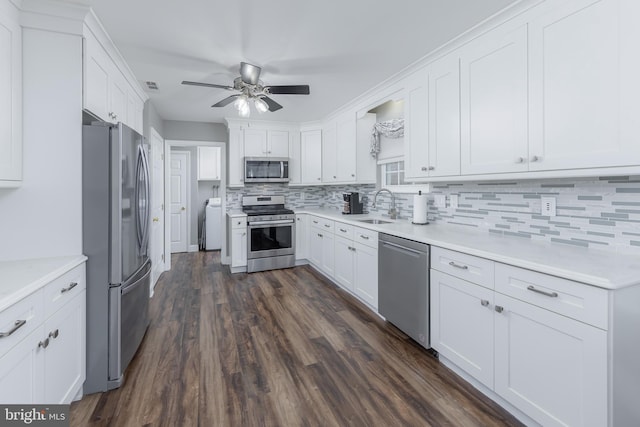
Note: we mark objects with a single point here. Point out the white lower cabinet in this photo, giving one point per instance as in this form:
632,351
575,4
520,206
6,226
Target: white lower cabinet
302,246
531,350
239,247
366,273
328,253
462,324
551,367
46,365
344,263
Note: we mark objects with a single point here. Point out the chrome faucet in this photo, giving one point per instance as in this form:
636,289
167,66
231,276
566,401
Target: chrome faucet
393,212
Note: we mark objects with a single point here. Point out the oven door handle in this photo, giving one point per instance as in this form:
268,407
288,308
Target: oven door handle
263,223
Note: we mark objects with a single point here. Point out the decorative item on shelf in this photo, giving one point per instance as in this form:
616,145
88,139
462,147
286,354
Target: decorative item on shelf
391,129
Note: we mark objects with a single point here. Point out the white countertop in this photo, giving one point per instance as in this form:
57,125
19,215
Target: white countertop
595,267
19,279
236,214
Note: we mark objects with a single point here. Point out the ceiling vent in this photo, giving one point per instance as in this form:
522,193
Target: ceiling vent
151,85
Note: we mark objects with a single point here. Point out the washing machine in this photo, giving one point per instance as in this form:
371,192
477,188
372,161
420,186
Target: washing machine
213,224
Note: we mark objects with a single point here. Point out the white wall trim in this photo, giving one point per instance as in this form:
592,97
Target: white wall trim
193,248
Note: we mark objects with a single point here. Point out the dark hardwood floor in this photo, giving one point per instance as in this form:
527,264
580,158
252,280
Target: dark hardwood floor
279,348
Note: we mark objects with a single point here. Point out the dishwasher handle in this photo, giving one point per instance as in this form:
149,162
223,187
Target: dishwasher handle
404,248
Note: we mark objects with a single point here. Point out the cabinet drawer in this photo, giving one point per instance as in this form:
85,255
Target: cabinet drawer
344,230
365,236
238,222
576,300
22,318
468,267
63,289
323,224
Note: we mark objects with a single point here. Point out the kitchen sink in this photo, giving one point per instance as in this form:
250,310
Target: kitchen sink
374,221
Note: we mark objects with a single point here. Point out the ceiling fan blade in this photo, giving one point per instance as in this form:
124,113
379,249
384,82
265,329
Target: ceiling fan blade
273,105
228,100
289,90
206,85
250,74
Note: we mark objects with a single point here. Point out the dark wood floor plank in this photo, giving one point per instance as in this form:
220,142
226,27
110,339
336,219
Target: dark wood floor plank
278,348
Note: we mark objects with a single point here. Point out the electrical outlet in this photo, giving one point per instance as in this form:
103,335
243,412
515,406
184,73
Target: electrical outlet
440,200
453,201
548,206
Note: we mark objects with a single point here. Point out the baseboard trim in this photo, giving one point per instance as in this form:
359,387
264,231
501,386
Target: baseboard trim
194,248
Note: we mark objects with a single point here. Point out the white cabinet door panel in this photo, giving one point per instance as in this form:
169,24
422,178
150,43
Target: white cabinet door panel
255,143
328,251
21,371
278,143
366,274
329,147
494,103
311,154
444,116
345,154
238,247
344,262
551,367
576,88
462,324
416,134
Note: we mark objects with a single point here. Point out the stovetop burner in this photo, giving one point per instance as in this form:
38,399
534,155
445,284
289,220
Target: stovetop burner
262,210
264,205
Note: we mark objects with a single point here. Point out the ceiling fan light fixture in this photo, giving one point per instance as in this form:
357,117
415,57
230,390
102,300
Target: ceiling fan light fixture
241,103
260,105
244,111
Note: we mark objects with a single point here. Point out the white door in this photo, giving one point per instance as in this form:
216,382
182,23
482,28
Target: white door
550,366
156,242
494,102
179,201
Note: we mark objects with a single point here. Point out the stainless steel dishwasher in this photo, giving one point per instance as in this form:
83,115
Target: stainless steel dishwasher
403,285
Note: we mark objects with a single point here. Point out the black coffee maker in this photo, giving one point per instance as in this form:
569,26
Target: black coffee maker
352,203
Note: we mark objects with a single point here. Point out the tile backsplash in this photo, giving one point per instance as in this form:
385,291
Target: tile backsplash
591,212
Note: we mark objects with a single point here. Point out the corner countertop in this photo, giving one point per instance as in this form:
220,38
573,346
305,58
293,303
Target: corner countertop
604,269
19,279
236,214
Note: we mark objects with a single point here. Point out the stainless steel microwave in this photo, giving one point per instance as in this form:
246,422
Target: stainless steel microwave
266,169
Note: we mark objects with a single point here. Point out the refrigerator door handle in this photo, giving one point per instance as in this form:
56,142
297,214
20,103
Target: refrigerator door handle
147,204
139,170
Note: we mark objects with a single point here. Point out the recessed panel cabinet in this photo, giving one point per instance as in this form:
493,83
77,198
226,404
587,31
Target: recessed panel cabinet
311,156
10,96
339,149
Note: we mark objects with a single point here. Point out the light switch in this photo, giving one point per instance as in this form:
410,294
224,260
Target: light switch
453,201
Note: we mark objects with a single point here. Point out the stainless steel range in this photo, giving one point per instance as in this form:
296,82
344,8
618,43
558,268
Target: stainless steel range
271,233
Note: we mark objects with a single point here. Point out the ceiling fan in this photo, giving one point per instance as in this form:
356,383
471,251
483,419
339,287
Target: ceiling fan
252,88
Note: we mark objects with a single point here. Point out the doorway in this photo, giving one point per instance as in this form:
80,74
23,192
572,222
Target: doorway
156,244
180,186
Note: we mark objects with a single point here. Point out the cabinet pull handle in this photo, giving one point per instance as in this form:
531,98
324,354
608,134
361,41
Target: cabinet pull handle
351,248
536,158
319,235
364,237
432,168
520,160
484,302
343,230
538,291
353,175
17,325
327,225
461,267
54,334
423,169
44,344
68,288
499,309
315,222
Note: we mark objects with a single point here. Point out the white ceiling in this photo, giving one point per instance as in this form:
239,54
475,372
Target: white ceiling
341,48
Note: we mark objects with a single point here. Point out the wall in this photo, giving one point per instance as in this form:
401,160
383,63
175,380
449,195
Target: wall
389,147
43,217
151,119
195,131
599,213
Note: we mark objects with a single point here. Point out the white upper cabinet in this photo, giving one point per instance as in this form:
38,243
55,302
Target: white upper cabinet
311,156
494,101
107,93
235,166
209,163
10,96
266,143
339,149
578,99
416,126
444,116
255,143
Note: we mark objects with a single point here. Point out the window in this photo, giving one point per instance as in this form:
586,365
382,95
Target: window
391,175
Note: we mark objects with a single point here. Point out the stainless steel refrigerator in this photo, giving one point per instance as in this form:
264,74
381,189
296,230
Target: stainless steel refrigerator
115,198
